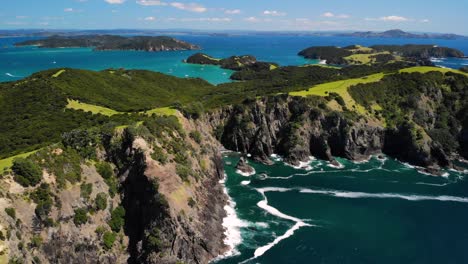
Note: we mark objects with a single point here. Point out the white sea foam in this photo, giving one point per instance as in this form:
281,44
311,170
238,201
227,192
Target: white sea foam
409,197
273,211
232,225
303,165
10,75
322,62
246,174
339,166
245,182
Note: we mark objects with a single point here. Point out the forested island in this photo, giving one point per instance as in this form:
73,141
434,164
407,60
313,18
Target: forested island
125,165
356,54
112,42
242,64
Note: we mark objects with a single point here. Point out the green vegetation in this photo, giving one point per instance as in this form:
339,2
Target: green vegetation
196,136
80,217
101,201
340,88
36,241
57,74
85,190
10,211
108,239
426,69
95,109
112,42
117,220
27,173
105,170
66,166
8,162
42,196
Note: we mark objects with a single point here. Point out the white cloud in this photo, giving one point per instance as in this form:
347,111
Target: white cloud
208,19
191,7
113,2
252,19
233,11
273,13
425,21
151,3
150,18
389,18
21,17
68,9
330,15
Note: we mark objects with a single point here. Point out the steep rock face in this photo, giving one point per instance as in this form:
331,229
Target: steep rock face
289,126
161,226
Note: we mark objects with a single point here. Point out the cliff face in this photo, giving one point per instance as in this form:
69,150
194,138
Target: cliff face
290,127
163,200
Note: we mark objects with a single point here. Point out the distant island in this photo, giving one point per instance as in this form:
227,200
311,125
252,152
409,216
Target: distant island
243,64
355,54
393,33
398,33
112,42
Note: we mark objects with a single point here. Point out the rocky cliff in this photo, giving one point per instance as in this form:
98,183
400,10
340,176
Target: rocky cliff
298,128
149,193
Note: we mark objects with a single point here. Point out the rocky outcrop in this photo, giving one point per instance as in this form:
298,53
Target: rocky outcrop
291,127
244,167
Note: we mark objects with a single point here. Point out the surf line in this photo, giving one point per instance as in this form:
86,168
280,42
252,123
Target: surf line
273,211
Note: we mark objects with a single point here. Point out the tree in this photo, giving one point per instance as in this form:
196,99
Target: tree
27,173
81,216
117,219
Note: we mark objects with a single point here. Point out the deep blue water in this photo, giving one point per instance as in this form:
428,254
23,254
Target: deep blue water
381,211
17,63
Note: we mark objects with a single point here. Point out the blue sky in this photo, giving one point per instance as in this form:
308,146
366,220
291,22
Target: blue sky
448,16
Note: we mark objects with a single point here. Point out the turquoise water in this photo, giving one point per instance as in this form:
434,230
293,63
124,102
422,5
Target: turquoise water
380,211
17,63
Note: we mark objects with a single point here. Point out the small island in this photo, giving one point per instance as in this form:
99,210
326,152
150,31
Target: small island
355,54
235,63
111,42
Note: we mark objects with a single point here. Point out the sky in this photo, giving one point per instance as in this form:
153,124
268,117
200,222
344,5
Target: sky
448,16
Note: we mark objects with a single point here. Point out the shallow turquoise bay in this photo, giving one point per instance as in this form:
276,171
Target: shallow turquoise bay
17,63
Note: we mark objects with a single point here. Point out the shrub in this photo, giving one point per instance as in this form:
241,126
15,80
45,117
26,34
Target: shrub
105,170
183,171
191,202
159,155
27,173
101,201
42,196
196,136
117,219
109,239
36,241
81,216
11,212
85,190
107,173
153,240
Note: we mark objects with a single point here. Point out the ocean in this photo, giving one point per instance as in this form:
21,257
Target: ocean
380,211
19,62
